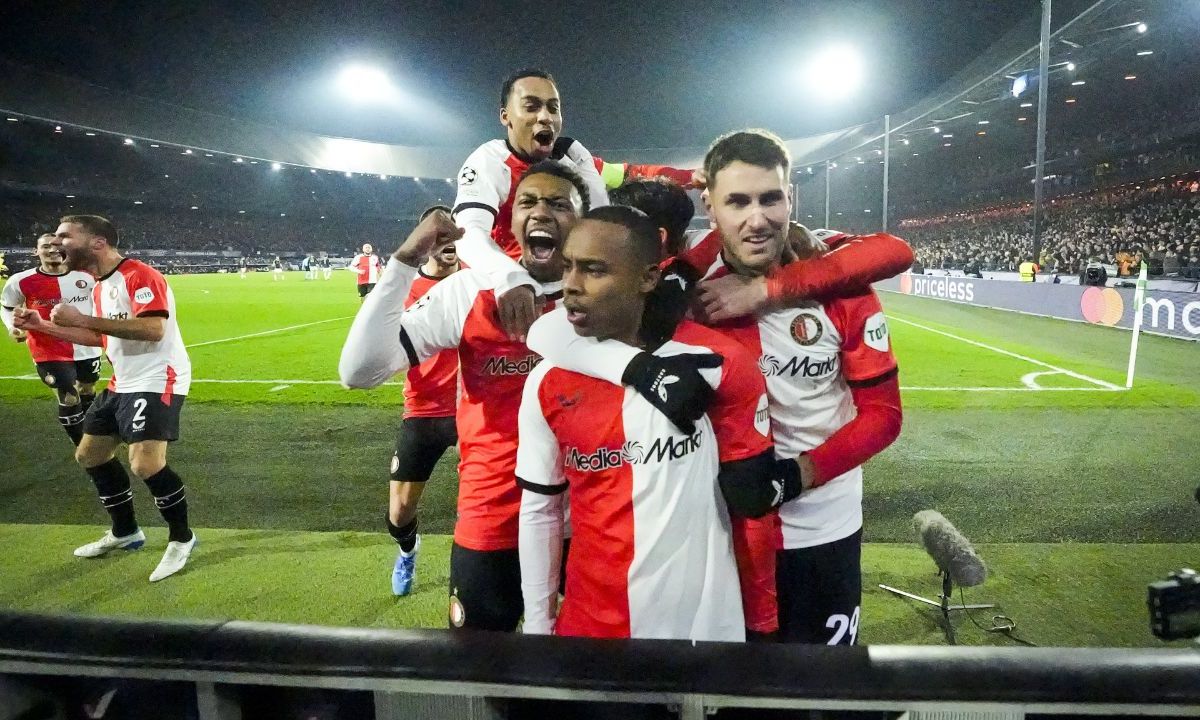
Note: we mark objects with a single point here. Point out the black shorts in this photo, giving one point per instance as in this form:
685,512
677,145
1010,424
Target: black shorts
134,416
485,589
62,375
420,443
820,592
365,288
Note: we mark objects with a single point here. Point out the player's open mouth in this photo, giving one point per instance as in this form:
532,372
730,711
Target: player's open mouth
758,242
544,139
576,315
448,251
541,244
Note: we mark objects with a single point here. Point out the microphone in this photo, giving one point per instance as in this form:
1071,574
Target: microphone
949,549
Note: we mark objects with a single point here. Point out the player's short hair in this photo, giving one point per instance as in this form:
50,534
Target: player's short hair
432,209
95,225
642,232
557,169
506,88
761,148
43,235
667,205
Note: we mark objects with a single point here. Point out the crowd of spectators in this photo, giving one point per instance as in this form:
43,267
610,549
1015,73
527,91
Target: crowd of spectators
1157,221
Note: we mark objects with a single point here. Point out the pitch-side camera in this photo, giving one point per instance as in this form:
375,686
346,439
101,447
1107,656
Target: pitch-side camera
1175,606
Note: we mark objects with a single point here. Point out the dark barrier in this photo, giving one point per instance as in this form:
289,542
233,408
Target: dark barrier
691,676
1173,314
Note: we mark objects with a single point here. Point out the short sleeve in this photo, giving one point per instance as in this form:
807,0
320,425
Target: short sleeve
866,344
11,296
147,292
481,181
539,466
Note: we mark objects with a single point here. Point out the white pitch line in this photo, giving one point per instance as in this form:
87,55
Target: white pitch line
267,332
1009,389
223,381
1018,356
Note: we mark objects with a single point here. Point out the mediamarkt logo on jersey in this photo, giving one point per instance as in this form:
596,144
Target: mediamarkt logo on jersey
632,453
803,365
501,365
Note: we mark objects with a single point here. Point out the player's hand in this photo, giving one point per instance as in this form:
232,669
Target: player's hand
64,315
732,296
518,310
18,334
433,233
25,319
674,385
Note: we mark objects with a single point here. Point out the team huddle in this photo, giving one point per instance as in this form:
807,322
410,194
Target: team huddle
660,433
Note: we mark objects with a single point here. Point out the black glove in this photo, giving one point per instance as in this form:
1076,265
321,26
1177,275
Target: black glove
673,385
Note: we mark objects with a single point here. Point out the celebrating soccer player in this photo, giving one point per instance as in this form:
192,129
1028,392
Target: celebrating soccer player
71,370
368,265
428,429
531,113
135,323
648,522
462,313
831,377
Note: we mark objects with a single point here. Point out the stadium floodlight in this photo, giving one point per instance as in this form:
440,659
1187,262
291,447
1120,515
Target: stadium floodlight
1144,53
1141,28
187,152
276,166
128,141
1070,67
195,208
936,129
1019,85
366,84
349,174
137,202
238,160
1079,82
90,134
312,171
835,73
154,145
984,122
1027,105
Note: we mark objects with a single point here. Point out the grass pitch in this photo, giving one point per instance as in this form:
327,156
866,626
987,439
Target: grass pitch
1078,494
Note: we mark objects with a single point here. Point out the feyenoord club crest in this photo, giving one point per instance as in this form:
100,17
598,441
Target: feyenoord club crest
81,284
807,328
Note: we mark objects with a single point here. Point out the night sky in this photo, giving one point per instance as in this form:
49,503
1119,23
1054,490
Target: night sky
661,73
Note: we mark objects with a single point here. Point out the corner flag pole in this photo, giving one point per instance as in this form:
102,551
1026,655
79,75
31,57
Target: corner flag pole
1139,299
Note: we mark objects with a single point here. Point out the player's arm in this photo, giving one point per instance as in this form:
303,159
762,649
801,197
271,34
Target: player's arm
149,328
673,384
542,517
27,320
11,298
870,370
476,205
851,264
384,338
585,165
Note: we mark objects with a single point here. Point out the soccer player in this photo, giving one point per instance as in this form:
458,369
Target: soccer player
326,268
277,269
368,265
135,323
652,552
243,267
428,428
71,370
461,313
831,379
307,265
531,113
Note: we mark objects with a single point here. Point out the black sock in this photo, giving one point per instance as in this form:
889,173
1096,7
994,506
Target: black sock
71,418
112,485
405,537
86,401
171,500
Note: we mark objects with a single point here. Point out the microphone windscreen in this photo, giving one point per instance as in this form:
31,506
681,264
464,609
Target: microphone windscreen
949,549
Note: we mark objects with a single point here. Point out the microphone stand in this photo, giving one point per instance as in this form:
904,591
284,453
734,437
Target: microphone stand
944,604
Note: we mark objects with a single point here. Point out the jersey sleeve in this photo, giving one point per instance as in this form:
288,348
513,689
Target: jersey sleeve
852,263
552,337
866,345
11,296
386,339
583,162
147,293
739,413
482,189
539,465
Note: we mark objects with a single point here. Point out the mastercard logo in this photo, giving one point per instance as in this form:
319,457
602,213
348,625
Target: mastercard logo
1103,306
906,283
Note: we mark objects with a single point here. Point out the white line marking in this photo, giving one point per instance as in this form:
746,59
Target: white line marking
279,384
1029,380
1018,356
267,332
277,388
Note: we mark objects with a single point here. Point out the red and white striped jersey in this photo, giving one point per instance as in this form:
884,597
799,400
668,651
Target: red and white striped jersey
41,291
808,354
651,550
367,267
134,289
460,313
430,389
